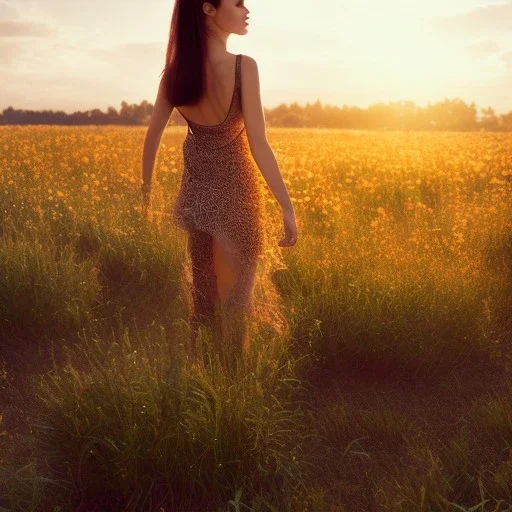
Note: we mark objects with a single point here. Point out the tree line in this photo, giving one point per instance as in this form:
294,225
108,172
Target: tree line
449,114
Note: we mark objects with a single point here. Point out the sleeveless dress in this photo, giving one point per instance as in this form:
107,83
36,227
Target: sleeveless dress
220,197
219,191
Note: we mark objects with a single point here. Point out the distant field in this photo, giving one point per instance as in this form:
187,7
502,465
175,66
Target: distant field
402,273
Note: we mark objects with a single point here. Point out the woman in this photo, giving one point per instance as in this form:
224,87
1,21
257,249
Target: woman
219,203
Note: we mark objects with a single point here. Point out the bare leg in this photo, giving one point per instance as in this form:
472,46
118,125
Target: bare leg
204,290
235,273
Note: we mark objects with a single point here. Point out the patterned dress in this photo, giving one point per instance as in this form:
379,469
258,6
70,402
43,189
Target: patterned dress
220,197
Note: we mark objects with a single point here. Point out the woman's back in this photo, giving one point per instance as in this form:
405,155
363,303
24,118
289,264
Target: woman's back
220,83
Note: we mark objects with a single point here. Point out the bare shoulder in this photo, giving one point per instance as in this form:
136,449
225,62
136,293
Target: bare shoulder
249,65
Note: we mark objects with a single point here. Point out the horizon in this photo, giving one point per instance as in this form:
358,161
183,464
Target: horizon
288,104
343,54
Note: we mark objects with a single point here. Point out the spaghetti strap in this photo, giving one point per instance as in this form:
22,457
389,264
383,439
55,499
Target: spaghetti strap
238,73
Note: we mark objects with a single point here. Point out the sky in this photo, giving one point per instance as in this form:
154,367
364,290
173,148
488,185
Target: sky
69,55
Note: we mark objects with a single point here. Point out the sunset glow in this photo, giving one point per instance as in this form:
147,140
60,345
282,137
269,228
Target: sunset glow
54,56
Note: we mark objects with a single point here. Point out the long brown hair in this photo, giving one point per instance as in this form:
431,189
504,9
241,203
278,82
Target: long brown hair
186,52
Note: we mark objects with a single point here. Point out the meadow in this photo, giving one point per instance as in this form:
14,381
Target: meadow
379,377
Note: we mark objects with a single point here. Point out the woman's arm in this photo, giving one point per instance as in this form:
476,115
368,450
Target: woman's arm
162,111
256,134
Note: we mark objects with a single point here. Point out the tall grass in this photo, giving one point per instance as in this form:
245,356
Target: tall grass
139,426
401,280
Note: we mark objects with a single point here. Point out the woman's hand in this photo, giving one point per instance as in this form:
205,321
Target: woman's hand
290,229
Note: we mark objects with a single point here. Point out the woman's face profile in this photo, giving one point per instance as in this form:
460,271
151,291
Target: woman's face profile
229,17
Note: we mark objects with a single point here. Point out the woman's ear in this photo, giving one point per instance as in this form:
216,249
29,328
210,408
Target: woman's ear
208,8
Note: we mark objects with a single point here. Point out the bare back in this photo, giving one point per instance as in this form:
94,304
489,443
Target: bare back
214,106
